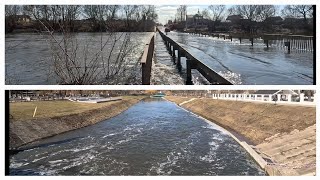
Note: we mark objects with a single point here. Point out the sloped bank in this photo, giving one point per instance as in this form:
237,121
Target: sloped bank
280,138
254,121
26,131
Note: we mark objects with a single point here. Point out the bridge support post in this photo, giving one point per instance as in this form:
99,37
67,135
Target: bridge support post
173,51
288,45
189,76
179,60
267,43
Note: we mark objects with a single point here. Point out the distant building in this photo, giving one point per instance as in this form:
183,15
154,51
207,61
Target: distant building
274,92
276,20
23,19
196,21
234,18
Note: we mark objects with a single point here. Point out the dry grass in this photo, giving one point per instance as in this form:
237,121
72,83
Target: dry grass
255,121
48,109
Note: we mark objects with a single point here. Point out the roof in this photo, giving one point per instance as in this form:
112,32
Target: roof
266,92
275,92
234,17
276,18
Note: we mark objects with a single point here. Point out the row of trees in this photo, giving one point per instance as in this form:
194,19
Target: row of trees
107,59
251,12
100,16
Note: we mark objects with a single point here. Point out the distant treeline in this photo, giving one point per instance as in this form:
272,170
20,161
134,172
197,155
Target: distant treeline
77,18
295,19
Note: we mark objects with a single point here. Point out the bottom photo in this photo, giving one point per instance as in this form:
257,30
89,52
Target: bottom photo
161,132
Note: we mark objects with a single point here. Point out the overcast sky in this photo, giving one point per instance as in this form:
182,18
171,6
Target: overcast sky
167,12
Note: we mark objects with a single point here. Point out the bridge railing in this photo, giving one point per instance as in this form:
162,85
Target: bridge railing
191,62
269,98
146,60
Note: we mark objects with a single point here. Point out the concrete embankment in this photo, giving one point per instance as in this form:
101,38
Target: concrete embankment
284,136
26,131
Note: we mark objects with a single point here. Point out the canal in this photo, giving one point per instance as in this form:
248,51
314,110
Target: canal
153,137
244,64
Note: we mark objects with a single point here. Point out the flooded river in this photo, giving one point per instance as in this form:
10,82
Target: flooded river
32,58
243,64
153,137
29,60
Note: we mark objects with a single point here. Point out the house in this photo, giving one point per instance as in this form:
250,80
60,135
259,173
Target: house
275,20
196,21
283,94
22,19
234,18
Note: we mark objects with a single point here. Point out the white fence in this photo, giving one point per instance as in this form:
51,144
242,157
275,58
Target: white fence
276,99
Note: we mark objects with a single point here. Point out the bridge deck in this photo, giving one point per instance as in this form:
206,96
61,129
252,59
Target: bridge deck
164,72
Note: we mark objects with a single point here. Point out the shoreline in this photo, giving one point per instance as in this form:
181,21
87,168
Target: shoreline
270,164
241,140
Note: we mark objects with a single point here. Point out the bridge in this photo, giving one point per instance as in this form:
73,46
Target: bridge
223,61
177,51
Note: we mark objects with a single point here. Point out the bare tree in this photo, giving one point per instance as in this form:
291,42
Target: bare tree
75,62
298,11
130,13
205,13
181,13
250,12
112,11
90,11
11,12
266,11
217,12
253,12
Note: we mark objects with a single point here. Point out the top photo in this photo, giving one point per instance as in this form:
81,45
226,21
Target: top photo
160,45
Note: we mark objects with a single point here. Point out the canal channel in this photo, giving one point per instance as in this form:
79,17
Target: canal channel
153,137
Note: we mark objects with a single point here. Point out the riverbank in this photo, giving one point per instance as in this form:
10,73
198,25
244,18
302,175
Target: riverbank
271,130
55,117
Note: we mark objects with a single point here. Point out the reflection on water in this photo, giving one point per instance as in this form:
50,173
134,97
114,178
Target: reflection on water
154,137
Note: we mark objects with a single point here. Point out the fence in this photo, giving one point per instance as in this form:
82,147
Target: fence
289,42
146,60
268,98
191,62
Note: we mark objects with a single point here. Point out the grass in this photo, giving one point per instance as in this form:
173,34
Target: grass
47,109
